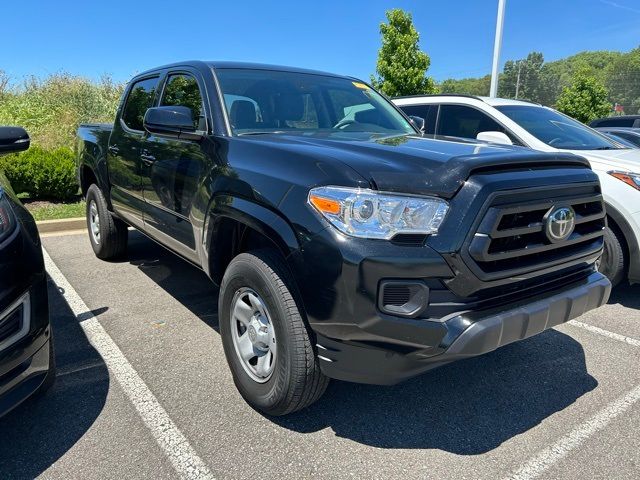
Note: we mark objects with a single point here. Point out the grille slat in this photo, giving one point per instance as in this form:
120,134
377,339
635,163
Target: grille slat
511,237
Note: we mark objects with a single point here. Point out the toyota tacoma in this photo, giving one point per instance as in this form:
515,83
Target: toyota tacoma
344,243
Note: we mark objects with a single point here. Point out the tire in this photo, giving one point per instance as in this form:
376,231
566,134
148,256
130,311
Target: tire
295,381
612,264
109,235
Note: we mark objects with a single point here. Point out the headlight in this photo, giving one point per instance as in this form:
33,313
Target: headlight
632,179
7,219
371,214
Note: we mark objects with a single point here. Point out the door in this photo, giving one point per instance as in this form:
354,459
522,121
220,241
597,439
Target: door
172,169
123,156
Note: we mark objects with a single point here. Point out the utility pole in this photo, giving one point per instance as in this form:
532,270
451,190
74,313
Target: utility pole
497,46
518,79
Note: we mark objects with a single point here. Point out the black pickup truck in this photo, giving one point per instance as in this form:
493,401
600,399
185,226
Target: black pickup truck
345,245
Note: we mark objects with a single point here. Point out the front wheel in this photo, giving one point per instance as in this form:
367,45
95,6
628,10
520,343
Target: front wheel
612,263
108,235
265,339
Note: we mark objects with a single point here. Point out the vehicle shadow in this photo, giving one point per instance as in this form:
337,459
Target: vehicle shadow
626,295
468,408
183,281
42,429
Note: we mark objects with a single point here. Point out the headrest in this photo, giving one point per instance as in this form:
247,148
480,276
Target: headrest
288,106
243,114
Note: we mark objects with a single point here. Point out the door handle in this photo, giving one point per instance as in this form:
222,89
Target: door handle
113,149
147,159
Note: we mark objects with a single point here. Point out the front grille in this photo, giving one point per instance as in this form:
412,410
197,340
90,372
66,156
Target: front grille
512,237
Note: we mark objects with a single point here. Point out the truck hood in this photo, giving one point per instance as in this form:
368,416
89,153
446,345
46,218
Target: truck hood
627,159
413,164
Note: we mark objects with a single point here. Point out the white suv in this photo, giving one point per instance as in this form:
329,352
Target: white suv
514,122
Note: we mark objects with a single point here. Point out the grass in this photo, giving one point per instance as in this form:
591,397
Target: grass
43,210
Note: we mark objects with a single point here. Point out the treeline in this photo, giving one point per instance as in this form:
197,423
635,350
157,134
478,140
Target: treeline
532,78
51,109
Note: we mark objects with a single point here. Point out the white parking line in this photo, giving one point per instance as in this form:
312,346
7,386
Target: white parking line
552,454
606,333
182,456
559,450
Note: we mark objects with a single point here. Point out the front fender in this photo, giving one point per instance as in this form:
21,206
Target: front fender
255,216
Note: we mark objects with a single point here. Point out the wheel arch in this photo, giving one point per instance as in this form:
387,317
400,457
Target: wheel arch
619,224
235,225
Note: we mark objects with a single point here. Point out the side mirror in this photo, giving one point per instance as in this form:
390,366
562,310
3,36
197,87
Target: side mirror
418,122
13,139
495,137
175,121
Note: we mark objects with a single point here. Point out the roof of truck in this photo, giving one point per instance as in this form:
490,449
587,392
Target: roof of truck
216,64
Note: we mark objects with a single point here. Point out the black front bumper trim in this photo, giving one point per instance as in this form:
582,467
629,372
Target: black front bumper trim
468,335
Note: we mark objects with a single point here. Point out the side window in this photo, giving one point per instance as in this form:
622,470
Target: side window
428,112
183,91
465,122
630,137
615,122
140,98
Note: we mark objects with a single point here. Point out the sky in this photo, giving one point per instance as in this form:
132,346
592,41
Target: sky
121,38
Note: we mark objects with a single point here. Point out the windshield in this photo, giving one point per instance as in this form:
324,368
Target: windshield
555,129
266,101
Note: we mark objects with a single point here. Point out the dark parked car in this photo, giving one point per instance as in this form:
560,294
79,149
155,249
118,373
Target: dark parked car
345,244
26,345
624,121
629,136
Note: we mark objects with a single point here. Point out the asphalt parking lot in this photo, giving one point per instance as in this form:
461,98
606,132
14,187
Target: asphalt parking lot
153,381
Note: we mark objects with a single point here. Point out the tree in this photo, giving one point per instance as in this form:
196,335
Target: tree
401,68
585,100
623,81
4,83
522,78
467,86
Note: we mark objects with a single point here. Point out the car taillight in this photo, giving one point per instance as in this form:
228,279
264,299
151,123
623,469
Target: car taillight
7,219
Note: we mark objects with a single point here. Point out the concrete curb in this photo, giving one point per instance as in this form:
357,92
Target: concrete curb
62,225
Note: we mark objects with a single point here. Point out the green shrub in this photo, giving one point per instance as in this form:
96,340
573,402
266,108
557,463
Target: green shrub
45,174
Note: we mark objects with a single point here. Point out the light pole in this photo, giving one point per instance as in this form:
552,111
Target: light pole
497,46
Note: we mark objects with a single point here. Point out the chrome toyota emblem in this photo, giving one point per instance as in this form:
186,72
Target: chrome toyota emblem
560,223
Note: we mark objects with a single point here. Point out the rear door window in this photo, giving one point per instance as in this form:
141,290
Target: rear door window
140,98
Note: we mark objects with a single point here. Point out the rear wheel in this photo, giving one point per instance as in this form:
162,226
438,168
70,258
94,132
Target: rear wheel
108,235
266,341
612,263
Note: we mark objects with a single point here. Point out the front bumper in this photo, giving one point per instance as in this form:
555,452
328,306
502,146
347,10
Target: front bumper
465,335
23,373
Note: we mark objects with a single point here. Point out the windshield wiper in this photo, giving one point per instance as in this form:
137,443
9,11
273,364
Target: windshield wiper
607,148
261,132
